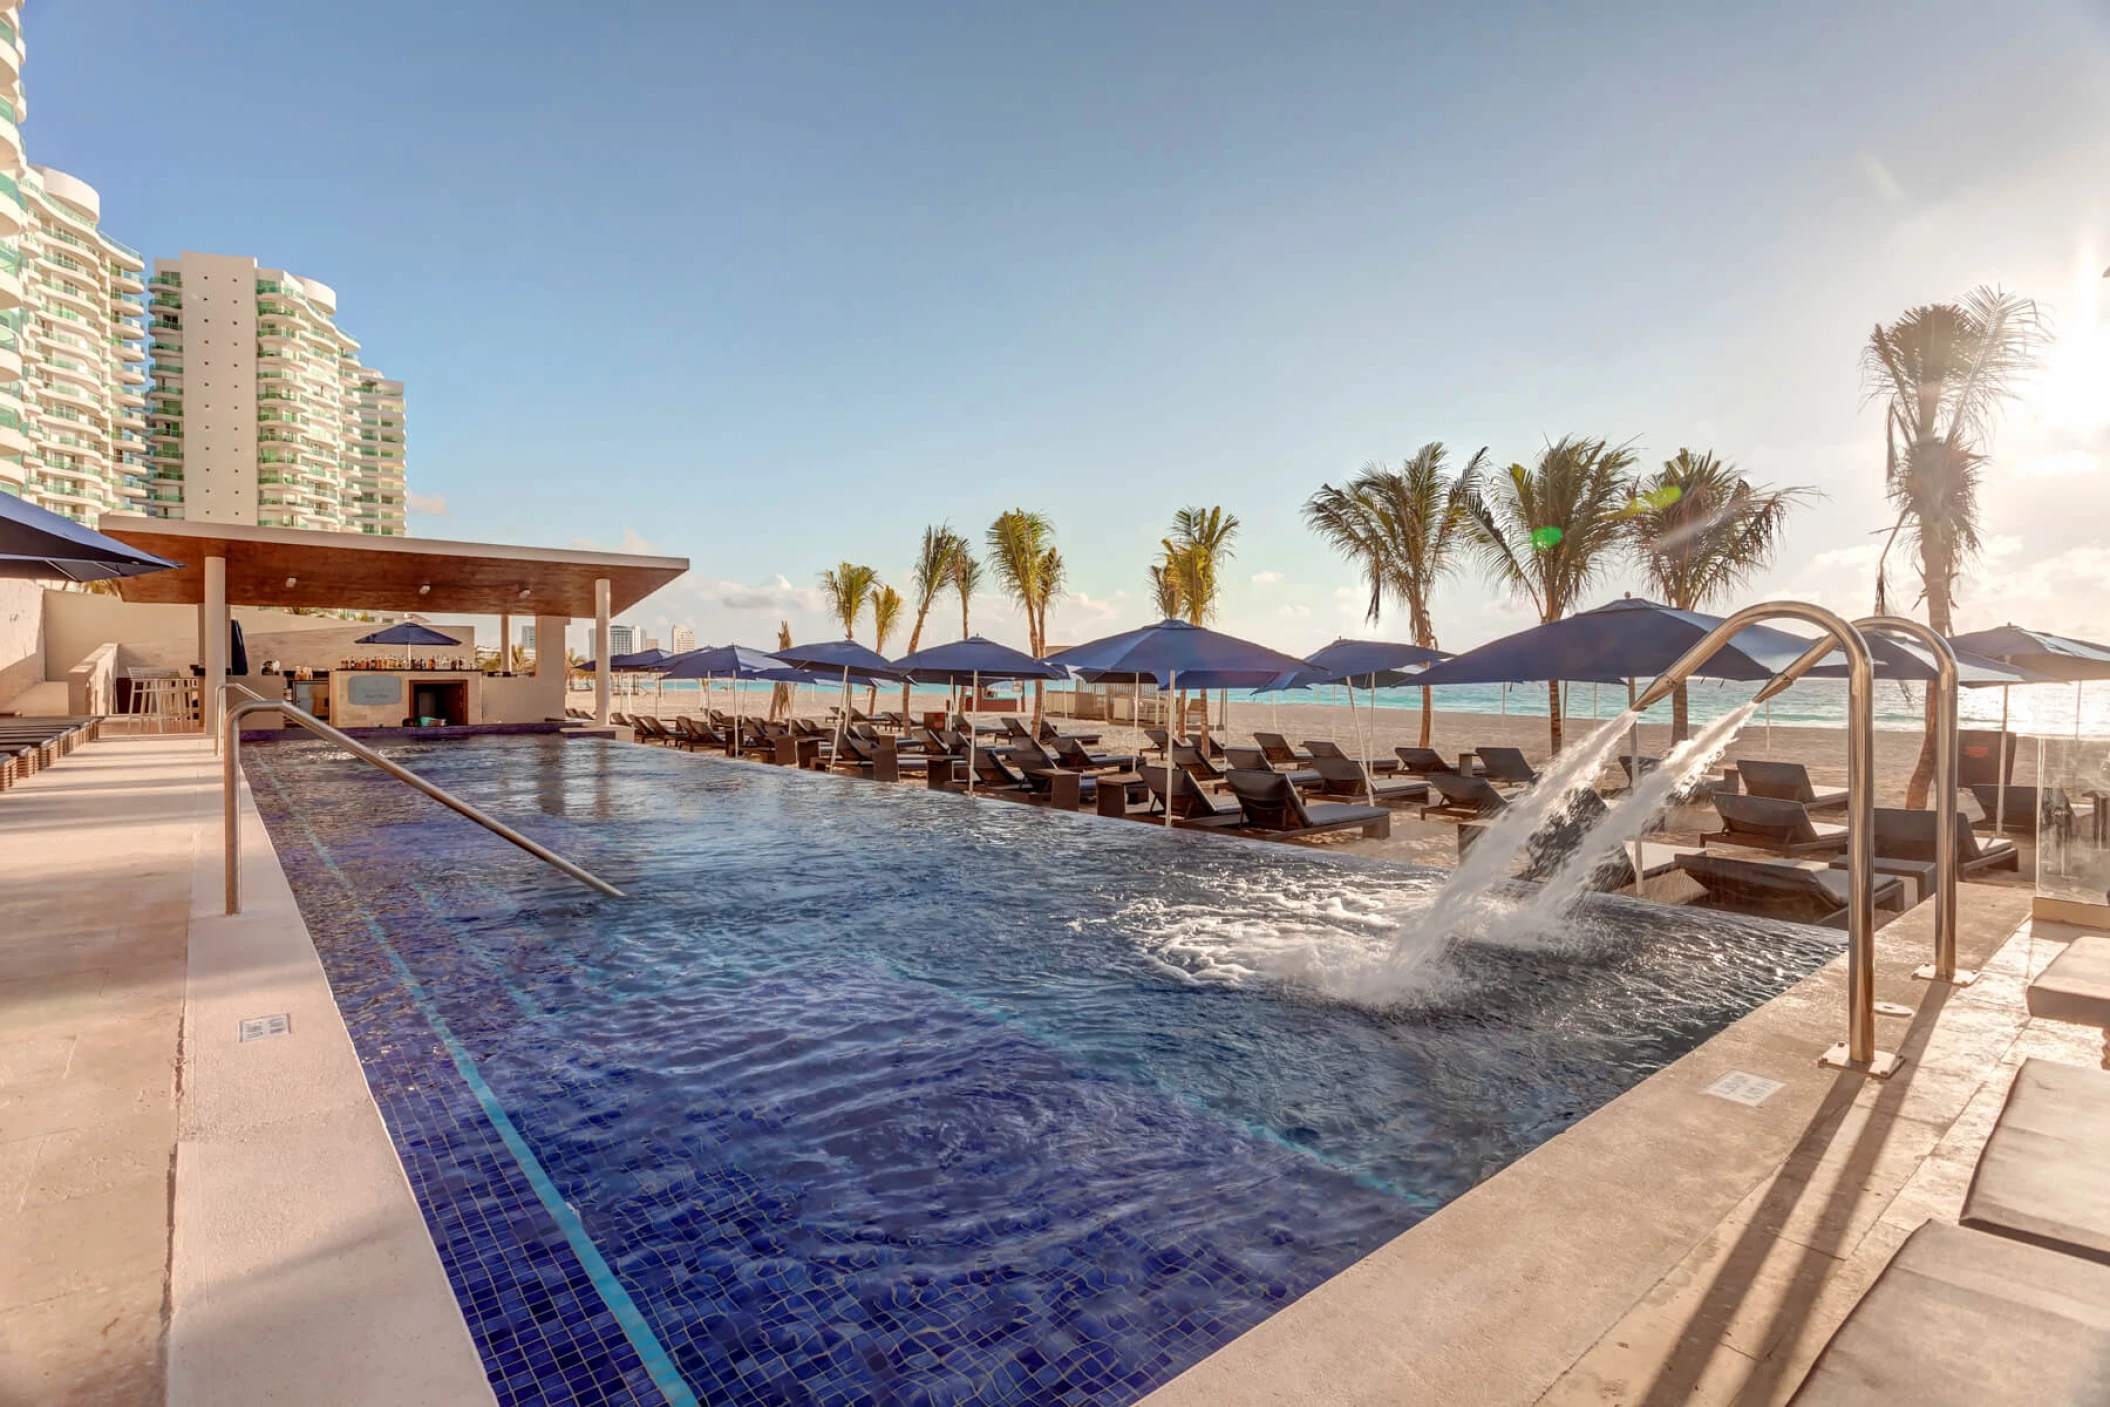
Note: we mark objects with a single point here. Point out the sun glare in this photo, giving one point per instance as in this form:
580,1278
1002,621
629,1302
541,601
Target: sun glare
2072,389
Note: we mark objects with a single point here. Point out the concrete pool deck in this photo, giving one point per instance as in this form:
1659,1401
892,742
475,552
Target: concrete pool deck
192,1217
196,1218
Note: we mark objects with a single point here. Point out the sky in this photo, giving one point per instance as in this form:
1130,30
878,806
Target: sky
774,287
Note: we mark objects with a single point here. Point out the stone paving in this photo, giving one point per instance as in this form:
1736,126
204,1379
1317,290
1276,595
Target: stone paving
95,893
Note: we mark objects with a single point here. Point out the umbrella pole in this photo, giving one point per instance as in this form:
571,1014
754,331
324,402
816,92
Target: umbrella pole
738,750
2000,770
1362,758
1769,727
968,719
842,716
1633,752
1172,678
1505,701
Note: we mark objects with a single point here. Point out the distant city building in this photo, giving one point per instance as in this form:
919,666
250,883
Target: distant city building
648,642
684,639
72,370
261,411
622,640
527,636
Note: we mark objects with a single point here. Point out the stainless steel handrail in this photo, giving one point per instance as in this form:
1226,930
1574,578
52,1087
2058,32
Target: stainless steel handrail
1946,861
1858,1051
220,699
231,765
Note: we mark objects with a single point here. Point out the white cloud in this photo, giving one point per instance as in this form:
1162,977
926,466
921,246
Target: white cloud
1293,612
777,595
1886,185
430,505
1266,578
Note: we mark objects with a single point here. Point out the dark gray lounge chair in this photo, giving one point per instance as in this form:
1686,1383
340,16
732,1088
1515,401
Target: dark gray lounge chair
994,774
1253,759
1189,759
1800,893
1427,762
1279,752
1699,789
1767,823
1962,1319
1909,835
2029,809
1507,765
1340,777
1272,805
1788,781
1049,737
1190,805
1070,749
1464,798
1321,748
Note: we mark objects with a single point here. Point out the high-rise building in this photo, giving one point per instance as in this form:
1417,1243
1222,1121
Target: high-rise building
261,411
622,640
681,639
72,371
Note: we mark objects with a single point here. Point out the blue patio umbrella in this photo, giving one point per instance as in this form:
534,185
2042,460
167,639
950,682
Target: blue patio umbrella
2044,657
41,545
406,634
1380,664
969,662
732,662
846,657
1173,651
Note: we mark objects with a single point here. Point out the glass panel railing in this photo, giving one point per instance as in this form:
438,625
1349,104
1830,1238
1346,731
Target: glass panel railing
2066,815
11,191
7,31
7,109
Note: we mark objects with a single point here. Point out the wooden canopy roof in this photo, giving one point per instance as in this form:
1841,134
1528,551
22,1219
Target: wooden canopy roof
361,572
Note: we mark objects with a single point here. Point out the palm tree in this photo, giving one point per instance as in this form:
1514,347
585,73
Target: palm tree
848,588
935,565
1403,527
1942,373
966,577
1028,566
1549,532
1701,530
780,694
1194,556
886,619
1165,592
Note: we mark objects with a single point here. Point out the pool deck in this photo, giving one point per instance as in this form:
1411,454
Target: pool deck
193,1218
196,1218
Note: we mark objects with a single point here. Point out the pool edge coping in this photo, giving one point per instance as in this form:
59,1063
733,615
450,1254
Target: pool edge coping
298,1251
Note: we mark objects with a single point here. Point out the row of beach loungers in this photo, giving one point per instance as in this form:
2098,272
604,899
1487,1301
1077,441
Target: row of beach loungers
29,745
1783,860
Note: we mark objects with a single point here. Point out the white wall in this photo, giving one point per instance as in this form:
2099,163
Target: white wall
166,637
219,387
21,637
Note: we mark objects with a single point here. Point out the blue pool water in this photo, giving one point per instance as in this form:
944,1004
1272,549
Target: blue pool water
872,1095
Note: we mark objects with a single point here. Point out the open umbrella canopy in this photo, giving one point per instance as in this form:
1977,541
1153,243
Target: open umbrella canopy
835,656
41,545
732,662
408,632
1618,641
1359,660
2042,655
638,662
964,661
1199,657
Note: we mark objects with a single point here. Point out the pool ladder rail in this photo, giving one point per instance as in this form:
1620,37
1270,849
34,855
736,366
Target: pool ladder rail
230,736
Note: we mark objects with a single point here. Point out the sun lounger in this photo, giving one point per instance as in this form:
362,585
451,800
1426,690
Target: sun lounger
1048,737
1253,759
2041,1176
1279,752
1273,806
979,730
1464,798
1340,777
1963,1319
1156,737
1426,761
1070,751
1768,823
1506,765
1909,835
1788,781
1188,758
993,774
1804,893
2030,810
880,760
1699,789
1189,804
1322,748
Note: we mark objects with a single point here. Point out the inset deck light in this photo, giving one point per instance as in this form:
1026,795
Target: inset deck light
425,590
291,582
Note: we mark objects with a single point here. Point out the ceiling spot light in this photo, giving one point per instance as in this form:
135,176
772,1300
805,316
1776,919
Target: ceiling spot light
525,592
425,590
291,582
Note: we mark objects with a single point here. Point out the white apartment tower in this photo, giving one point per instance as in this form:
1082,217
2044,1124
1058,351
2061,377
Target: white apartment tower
261,411
72,370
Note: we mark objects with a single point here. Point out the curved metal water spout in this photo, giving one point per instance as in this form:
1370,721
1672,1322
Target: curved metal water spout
1943,968
1858,1051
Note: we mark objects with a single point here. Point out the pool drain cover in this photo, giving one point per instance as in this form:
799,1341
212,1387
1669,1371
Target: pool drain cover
1743,1087
257,1028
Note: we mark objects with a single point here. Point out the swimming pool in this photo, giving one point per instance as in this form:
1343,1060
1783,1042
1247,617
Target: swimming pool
873,1095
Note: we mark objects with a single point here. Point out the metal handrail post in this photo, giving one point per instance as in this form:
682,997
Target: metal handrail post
231,764
1947,862
1858,1051
221,701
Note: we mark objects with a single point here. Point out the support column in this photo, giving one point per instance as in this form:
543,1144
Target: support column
505,642
215,616
603,677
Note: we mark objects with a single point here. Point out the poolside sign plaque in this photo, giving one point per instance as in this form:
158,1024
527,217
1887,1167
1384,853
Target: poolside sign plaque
1743,1087
256,1028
